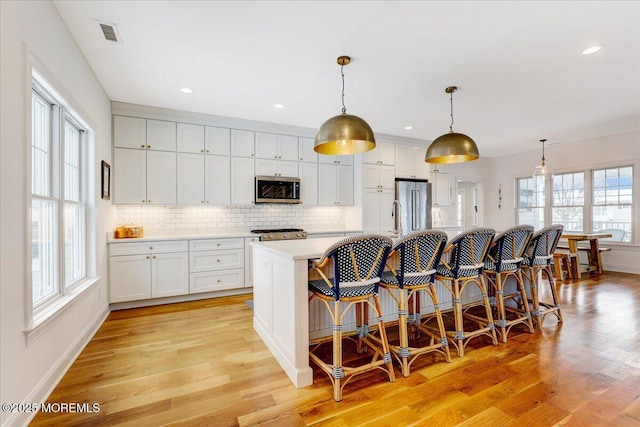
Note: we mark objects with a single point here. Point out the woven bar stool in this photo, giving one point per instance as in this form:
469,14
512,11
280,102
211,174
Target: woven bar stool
504,261
537,262
358,263
462,264
419,254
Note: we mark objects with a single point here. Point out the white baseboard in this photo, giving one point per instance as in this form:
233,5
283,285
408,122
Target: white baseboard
49,382
621,268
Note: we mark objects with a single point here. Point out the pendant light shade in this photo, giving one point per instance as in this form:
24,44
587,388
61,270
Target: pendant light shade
542,169
452,147
344,134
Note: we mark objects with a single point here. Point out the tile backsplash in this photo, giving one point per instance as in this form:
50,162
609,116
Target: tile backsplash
163,217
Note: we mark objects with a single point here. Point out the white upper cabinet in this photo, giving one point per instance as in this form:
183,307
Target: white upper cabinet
378,176
190,179
129,132
242,143
190,138
217,184
308,173
443,189
410,162
161,135
305,150
217,141
276,168
129,176
383,154
276,147
161,178
336,160
242,181
335,185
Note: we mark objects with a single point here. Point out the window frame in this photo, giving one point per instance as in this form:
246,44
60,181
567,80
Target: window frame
39,315
589,206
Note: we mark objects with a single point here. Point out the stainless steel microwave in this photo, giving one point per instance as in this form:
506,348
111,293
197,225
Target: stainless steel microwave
277,189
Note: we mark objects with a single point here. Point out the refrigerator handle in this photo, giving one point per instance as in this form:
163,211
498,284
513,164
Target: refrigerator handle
395,213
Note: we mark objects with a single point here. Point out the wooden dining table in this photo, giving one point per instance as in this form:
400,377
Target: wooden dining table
593,251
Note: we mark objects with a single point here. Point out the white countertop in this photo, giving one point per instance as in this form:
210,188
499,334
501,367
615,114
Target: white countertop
299,249
151,235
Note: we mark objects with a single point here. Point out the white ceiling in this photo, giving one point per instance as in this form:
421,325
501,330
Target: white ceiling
518,65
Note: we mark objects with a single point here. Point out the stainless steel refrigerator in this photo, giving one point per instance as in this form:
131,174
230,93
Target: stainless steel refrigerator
412,206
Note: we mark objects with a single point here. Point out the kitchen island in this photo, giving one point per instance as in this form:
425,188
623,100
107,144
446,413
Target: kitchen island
281,301
283,316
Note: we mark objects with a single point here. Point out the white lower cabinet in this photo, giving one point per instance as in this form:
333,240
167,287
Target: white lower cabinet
140,271
216,264
248,261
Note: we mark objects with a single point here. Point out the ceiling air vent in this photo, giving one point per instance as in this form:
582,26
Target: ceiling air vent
109,32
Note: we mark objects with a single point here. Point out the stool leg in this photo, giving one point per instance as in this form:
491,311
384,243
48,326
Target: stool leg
534,296
459,321
525,302
487,307
501,312
383,338
554,294
402,330
338,373
443,334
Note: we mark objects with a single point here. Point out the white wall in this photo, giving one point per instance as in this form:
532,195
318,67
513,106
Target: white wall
30,372
614,150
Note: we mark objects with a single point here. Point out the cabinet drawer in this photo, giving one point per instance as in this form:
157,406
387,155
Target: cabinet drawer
215,244
148,247
216,260
216,281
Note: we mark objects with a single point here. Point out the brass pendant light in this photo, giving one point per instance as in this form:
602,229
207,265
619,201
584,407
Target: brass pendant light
452,147
542,169
344,134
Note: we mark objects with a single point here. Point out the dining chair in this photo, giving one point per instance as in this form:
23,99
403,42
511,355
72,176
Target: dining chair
461,265
537,262
358,263
418,256
503,262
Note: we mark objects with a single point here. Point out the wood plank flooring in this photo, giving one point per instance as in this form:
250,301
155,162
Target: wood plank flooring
201,364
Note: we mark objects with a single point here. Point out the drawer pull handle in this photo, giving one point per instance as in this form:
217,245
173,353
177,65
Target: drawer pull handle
147,256
218,280
217,260
154,257
217,244
151,247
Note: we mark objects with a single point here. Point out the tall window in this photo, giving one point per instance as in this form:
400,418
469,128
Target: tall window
613,202
567,200
531,201
58,198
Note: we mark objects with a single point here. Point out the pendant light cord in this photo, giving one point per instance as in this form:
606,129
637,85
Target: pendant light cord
344,109
451,100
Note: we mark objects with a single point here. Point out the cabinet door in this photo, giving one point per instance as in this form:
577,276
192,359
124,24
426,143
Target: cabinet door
327,185
161,135
248,261
386,153
266,146
242,181
385,211
217,184
329,160
129,132
387,176
129,278
169,274
370,216
242,143
130,176
370,176
420,167
266,167
404,161
305,150
161,178
288,148
190,138
345,186
289,169
190,179
308,173
371,156
442,189
217,141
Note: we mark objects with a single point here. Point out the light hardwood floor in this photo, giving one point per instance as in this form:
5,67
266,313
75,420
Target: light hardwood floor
201,363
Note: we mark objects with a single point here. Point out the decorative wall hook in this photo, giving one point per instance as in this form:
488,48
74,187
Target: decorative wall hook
499,196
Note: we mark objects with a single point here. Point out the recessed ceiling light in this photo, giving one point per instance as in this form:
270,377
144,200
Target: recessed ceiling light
408,127
185,90
278,106
592,49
